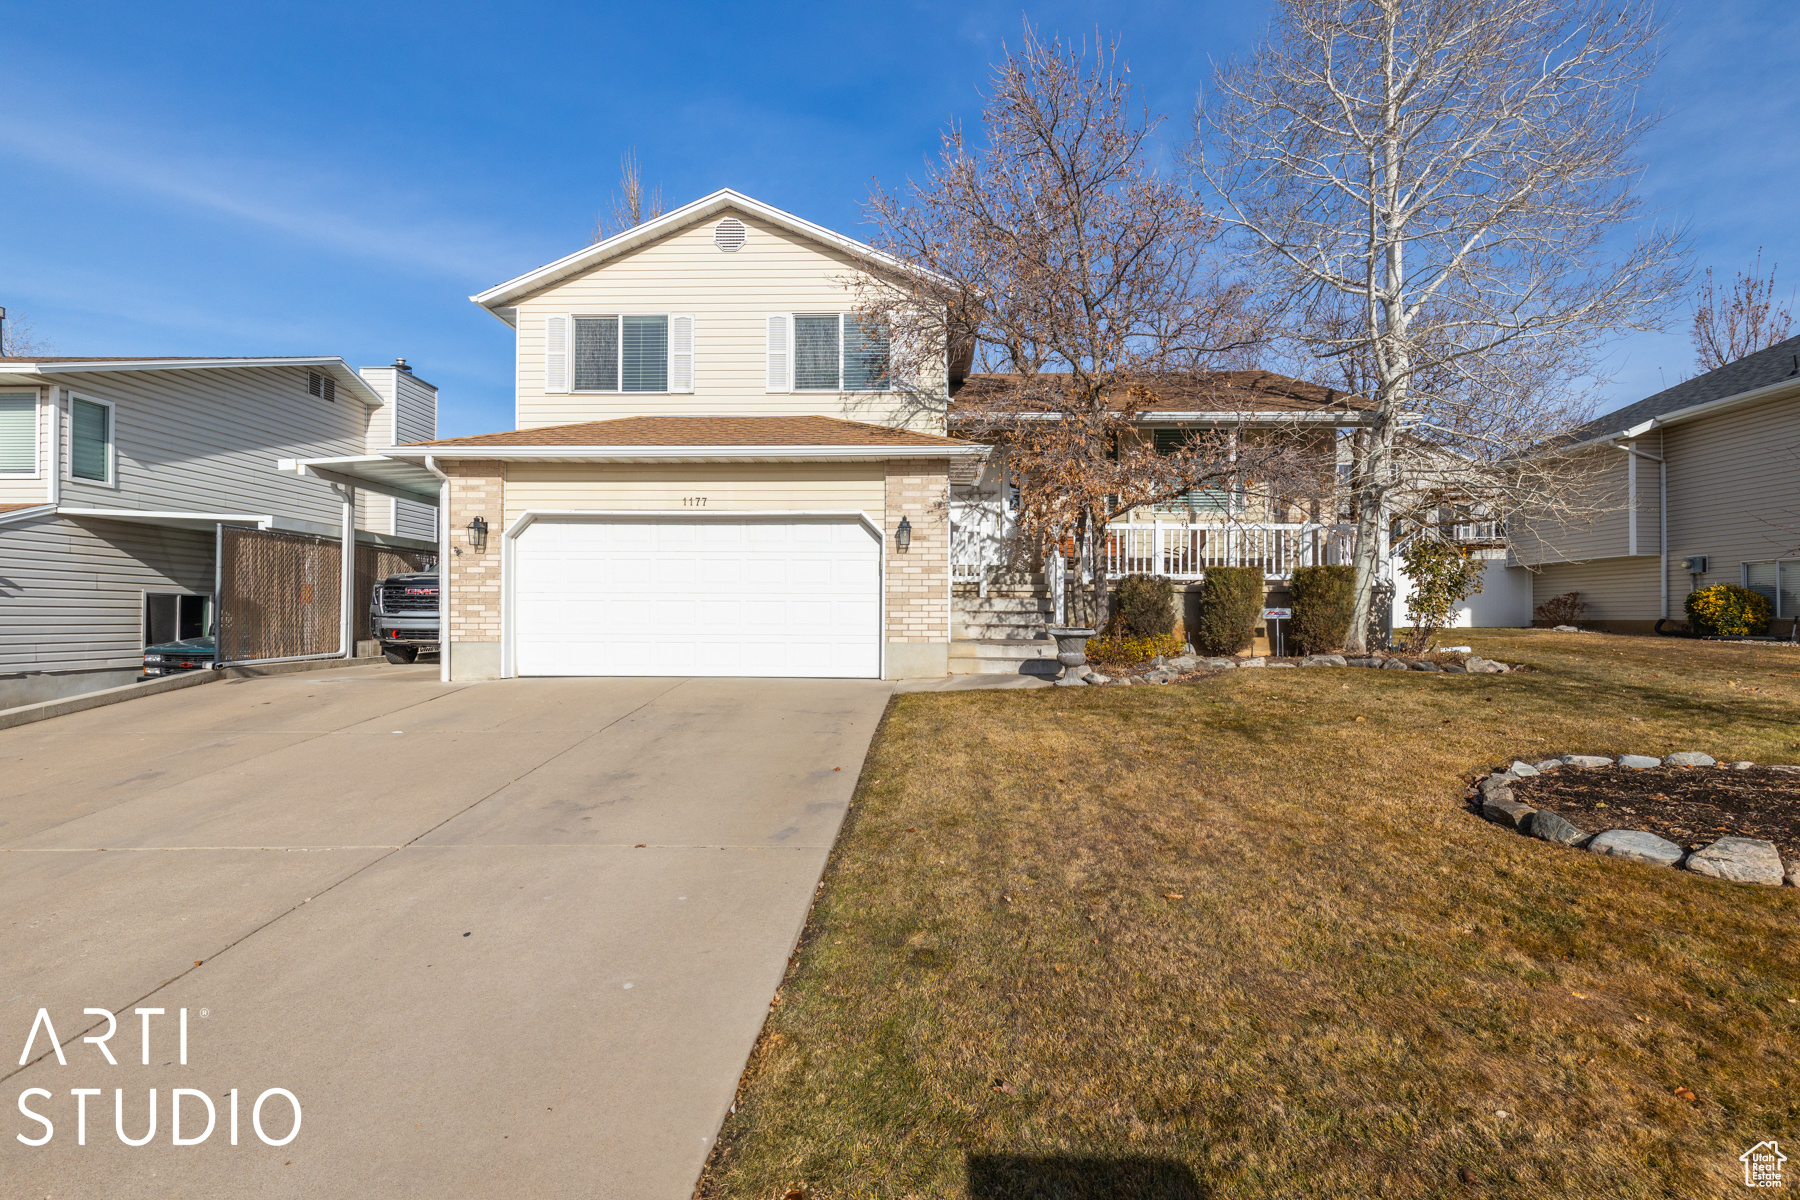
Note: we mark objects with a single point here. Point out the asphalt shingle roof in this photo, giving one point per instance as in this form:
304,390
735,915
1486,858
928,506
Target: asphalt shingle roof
705,431
1780,361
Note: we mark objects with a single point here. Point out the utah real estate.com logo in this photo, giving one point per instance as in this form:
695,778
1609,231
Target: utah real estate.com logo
1762,1165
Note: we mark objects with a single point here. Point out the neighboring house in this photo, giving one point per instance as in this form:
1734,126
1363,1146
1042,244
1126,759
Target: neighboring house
116,474
713,471
1702,483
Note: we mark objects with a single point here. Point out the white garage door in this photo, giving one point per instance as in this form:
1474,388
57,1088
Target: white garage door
674,596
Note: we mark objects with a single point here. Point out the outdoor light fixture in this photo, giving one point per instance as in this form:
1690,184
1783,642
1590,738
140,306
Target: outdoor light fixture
903,535
478,533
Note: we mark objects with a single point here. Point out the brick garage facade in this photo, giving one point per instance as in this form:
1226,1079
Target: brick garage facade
918,580
472,577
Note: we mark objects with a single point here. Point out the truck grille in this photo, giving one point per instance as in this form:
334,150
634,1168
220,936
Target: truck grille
395,598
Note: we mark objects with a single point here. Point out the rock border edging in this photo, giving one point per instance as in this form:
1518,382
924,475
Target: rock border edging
1736,859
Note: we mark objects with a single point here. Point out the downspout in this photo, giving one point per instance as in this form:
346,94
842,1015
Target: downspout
1662,489
443,524
346,616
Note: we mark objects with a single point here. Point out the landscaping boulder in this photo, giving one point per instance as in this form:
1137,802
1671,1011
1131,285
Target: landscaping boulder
1497,783
1500,808
1477,665
1183,663
1426,666
1553,827
1362,662
1323,660
1455,669
1565,629
1159,677
1393,664
1217,662
1637,846
1742,766
1639,762
1549,764
1289,666
1739,859
1585,760
1521,769
1793,874
1253,662
1689,758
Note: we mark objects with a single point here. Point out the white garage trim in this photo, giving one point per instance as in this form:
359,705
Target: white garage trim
510,540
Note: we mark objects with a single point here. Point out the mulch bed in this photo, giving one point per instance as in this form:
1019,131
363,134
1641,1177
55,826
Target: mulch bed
1691,806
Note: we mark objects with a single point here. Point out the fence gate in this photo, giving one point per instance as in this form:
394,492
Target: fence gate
279,595
374,564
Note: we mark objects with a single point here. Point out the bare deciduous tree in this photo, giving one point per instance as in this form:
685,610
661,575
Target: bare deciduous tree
1742,321
1432,188
18,338
631,205
1059,256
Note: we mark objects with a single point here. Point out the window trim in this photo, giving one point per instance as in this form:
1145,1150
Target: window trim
840,389
112,441
618,318
37,435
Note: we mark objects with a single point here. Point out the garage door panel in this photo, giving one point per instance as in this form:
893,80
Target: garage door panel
697,597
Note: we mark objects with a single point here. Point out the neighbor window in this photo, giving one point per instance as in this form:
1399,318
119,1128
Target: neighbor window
837,352
18,433
1777,582
90,440
622,354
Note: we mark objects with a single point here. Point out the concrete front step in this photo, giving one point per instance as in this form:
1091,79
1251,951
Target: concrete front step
1003,656
983,631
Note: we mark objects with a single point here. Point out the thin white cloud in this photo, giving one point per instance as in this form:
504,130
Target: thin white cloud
229,189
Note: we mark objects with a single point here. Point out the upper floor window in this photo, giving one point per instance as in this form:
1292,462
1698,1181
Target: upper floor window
18,433
90,440
619,353
832,352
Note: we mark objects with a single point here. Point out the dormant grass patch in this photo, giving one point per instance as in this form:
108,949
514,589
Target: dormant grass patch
1242,937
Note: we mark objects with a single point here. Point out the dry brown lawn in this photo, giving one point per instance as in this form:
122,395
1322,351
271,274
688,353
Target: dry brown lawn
1242,938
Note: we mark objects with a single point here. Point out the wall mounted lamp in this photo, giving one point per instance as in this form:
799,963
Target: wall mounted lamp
903,535
478,533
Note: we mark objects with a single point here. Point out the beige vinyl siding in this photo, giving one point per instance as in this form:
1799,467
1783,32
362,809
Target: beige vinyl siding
726,487
1734,492
208,441
75,589
33,489
729,296
1614,589
408,414
1605,532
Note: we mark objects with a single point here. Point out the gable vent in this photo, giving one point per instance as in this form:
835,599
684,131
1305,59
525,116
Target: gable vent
321,385
728,235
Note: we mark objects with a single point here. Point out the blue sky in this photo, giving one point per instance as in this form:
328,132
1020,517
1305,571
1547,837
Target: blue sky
338,179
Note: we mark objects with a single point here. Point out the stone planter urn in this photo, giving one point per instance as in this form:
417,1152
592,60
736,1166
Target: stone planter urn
1071,647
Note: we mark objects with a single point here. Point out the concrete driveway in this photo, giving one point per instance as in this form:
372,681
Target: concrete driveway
502,939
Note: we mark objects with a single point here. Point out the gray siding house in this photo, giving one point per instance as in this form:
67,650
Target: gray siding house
1701,485
115,474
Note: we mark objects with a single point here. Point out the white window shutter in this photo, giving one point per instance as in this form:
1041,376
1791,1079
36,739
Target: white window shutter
681,354
780,353
556,353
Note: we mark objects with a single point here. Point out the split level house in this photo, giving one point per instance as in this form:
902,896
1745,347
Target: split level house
714,470
1695,485
122,478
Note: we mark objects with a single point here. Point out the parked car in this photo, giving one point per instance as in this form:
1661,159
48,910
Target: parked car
172,658
404,615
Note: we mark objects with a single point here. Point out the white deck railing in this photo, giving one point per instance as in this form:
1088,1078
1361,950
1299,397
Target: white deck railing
1185,551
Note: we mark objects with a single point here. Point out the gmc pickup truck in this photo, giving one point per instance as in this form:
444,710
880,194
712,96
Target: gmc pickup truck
404,615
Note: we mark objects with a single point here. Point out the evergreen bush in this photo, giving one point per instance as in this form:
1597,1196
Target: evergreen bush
1143,607
1727,610
1231,604
1324,598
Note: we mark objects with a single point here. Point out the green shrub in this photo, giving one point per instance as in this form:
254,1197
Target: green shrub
1231,604
1727,610
1324,598
1143,606
1443,576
